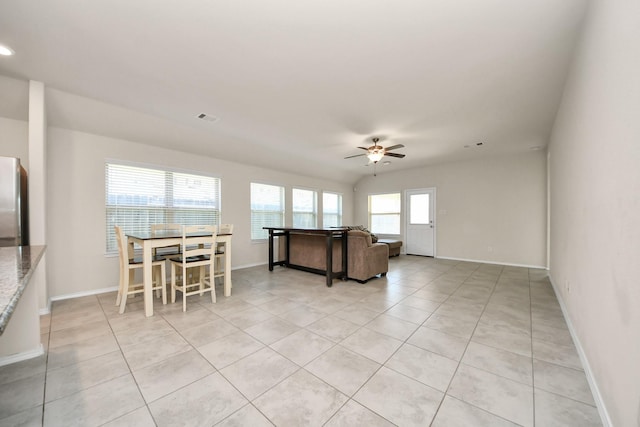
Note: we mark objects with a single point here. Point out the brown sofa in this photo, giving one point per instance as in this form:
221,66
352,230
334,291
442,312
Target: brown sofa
365,259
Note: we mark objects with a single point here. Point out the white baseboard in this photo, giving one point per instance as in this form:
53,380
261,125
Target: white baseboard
83,294
19,357
240,267
597,396
492,262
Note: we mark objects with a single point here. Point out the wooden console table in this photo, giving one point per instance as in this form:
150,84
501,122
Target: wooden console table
330,235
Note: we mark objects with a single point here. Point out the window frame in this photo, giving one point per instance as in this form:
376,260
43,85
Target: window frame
166,212
397,214
314,212
264,235
337,214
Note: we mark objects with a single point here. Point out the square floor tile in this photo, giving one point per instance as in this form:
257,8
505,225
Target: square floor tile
500,362
96,405
438,342
201,403
558,354
279,306
258,372
343,369
79,333
302,347
303,316
399,399
70,379
457,326
248,415
500,396
229,349
410,314
456,413
31,417
554,410
333,328
373,345
208,332
392,327
425,305
300,400
151,352
357,314
141,417
172,373
148,329
272,330
194,316
429,368
354,414
22,394
248,317
23,369
81,350
504,337
567,382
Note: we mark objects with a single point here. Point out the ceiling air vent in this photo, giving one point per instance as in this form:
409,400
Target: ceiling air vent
207,117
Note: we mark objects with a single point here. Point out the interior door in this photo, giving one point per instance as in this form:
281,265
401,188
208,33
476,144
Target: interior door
420,222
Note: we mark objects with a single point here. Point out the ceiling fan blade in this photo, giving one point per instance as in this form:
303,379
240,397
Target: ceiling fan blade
393,147
364,148
400,156
357,155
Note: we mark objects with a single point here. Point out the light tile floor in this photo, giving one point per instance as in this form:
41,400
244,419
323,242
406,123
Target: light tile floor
438,343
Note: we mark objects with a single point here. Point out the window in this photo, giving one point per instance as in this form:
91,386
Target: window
331,210
384,213
267,209
137,197
304,208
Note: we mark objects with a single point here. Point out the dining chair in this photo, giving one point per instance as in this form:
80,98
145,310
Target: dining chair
198,253
128,265
221,249
170,250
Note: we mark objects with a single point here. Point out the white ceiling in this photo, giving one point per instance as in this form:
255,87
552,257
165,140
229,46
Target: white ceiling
297,85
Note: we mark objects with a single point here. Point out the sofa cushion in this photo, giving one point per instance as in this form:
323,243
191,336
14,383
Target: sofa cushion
374,238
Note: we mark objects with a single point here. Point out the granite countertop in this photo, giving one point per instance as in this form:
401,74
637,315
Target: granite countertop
17,264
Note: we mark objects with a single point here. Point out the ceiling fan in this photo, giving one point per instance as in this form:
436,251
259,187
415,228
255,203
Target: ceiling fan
376,152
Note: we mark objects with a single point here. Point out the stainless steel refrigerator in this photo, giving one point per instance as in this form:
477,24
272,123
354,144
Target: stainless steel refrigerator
14,214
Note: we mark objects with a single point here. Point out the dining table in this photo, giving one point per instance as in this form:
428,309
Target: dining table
151,240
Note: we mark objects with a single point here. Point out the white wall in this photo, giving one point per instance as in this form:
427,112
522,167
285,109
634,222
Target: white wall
14,140
595,203
76,204
498,202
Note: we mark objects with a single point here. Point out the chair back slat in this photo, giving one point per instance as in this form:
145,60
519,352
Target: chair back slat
123,246
202,244
165,227
225,229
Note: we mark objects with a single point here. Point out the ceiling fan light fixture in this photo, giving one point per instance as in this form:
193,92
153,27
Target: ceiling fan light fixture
375,156
6,50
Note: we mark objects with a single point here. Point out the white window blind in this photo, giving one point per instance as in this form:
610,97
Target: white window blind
305,209
384,213
267,209
137,197
331,210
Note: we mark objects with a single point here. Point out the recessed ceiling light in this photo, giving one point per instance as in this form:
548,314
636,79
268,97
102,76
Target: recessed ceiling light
386,163
535,148
6,51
